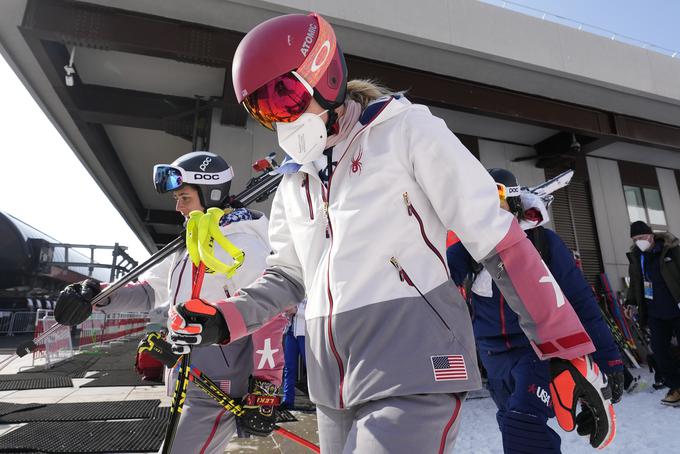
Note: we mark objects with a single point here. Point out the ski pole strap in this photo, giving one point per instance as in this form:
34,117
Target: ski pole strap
202,231
209,230
192,236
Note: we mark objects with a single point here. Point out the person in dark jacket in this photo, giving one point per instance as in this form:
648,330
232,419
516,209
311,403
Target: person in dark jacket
654,272
517,379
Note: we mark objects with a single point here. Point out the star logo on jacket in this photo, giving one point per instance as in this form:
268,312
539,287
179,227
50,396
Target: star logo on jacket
267,354
549,279
449,367
356,162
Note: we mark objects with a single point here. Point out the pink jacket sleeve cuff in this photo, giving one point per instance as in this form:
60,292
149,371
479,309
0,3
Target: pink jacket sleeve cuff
234,319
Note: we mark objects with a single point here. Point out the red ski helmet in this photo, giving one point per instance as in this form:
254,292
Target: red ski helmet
285,61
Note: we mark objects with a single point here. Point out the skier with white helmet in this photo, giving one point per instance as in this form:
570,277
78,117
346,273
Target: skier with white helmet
198,181
358,224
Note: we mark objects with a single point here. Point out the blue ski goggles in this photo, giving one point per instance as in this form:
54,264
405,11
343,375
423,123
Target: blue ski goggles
167,178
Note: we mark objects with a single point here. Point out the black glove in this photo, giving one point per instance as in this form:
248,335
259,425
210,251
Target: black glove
259,407
196,322
615,380
580,380
158,348
73,303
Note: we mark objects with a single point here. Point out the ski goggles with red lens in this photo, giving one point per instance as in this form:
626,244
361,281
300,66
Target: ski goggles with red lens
282,99
507,191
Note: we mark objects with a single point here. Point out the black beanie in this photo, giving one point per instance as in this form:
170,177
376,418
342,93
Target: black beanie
639,228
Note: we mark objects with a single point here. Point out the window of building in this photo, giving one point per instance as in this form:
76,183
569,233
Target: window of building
644,204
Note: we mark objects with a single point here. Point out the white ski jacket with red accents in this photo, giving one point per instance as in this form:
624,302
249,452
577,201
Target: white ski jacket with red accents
383,316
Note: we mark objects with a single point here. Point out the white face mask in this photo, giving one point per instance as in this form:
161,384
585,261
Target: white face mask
643,245
304,139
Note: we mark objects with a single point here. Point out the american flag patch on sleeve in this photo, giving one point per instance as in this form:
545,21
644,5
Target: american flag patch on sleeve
449,367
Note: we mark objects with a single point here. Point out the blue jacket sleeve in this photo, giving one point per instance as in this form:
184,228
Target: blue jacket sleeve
458,259
580,295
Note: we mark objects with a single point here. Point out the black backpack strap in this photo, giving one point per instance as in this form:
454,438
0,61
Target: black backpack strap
476,268
538,239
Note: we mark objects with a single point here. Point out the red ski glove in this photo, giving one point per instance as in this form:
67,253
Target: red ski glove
580,380
196,322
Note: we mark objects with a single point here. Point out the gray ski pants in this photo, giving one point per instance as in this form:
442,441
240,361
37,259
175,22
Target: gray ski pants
423,423
204,427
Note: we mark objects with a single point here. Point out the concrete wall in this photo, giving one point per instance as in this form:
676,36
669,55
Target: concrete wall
474,41
611,213
670,196
498,154
611,217
241,147
638,153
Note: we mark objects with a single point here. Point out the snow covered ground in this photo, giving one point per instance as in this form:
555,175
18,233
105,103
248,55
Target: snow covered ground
643,426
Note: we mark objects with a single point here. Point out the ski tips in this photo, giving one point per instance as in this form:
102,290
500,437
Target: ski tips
25,348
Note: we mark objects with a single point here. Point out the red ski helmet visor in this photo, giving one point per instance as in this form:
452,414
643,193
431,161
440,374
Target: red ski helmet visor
282,99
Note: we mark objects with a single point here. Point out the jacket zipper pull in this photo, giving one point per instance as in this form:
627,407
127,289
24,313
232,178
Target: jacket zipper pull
408,204
402,273
325,212
501,268
395,264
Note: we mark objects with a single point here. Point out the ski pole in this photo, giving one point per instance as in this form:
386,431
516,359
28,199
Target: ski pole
162,351
180,394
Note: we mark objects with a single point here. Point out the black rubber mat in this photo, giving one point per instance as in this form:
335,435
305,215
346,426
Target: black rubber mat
86,437
117,356
23,376
284,416
161,413
73,367
35,381
85,411
302,402
125,377
6,408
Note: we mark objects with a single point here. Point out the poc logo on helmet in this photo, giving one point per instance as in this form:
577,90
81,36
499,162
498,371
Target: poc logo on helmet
206,176
514,191
205,163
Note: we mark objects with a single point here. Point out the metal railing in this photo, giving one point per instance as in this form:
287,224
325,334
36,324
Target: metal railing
58,345
17,322
98,330
121,264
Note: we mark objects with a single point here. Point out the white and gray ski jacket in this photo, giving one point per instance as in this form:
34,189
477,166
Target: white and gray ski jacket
383,316
170,283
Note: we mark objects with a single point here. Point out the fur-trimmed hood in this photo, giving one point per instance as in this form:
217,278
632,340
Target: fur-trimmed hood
669,241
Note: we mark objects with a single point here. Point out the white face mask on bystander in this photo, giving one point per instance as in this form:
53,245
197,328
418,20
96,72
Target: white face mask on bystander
643,245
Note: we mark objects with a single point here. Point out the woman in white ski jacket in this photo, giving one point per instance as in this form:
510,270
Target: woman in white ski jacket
359,224
204,426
